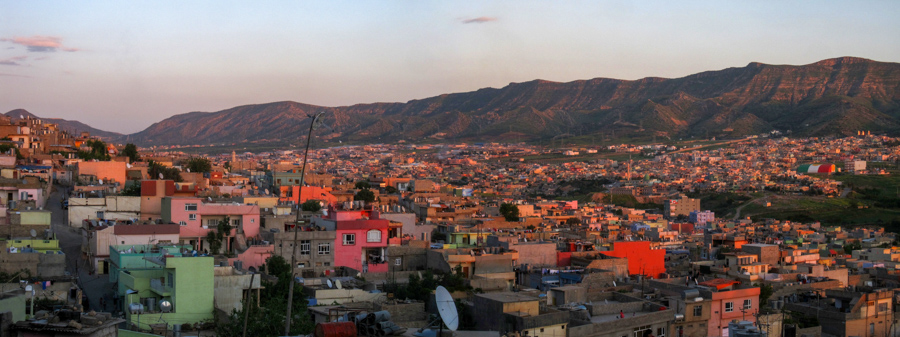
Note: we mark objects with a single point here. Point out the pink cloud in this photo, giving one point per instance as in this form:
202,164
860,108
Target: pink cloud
13,61
481,19
39,43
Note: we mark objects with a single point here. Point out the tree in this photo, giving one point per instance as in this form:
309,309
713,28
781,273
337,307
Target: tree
154,169
363,185
97,150
198,165
311,206
267,318
217,237
4,148
132,190
510,212
365,195
573,221
390,190
131,152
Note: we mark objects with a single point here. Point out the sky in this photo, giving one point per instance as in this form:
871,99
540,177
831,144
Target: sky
123,65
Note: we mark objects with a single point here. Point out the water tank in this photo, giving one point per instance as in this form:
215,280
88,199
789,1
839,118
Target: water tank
690,294
238,264
335,329
165,306
150,302
136,308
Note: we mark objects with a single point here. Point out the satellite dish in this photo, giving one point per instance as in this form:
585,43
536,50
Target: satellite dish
128,165
33,233
446,308
160,175
101,181
330,285
337,284
209,198
189,170
267,191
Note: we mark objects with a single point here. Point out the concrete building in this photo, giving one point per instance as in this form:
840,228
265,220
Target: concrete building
765,253
311,262
843,313
101,238
702,218
616,315
105,208
684,206
232,286
514,312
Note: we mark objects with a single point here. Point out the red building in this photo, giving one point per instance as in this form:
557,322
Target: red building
641,259
361,243
293,194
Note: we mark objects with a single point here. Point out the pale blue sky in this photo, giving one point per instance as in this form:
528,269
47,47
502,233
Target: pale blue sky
123,65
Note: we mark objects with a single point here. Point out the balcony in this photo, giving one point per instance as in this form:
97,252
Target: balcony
160,288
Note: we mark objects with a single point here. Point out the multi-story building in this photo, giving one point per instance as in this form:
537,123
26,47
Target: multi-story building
197,217
684,206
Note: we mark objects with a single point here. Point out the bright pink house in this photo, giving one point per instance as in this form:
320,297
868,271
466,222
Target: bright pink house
197,218
361,242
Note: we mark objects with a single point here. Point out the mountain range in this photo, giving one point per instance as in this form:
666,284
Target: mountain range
73,127
831,97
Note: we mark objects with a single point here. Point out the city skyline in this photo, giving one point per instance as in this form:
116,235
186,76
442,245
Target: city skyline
123,67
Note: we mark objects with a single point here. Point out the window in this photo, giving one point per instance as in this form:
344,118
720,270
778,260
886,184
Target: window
373,236
882,307
660,332
301,265
327,264
100,214
190,207
748,303
236,223
349,239
729,306
212,222
324,248
192,216
304,247
698,310
182,223
170,281
398,261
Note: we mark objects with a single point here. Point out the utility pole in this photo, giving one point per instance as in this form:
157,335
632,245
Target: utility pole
287,317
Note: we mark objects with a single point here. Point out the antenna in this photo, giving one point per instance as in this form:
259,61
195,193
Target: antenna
446,308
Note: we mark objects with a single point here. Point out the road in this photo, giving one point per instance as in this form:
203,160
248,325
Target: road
737,211
70,241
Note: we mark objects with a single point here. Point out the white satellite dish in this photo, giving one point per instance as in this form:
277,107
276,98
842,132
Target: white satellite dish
209,198
328,282
267,191
337,284
128,165
446,308
33,233
101,181
189,170
160,175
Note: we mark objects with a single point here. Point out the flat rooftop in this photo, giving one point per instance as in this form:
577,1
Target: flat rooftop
613,317
508,297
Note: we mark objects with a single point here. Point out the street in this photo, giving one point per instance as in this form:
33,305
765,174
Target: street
70,241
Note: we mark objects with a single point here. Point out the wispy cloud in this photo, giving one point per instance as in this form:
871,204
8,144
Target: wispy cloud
13,61
481,19
40,43
13,75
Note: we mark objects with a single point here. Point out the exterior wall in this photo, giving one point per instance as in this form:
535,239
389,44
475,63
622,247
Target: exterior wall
173,210
720,318
113,208
152,192
290,193
353,256
641,259
41,265
230,287
313,263
108,171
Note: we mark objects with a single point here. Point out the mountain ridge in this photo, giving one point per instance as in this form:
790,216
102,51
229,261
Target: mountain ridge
835,96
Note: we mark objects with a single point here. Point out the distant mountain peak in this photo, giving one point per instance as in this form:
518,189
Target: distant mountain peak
843,60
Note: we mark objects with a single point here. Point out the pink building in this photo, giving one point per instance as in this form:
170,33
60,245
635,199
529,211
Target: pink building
197,218
362,245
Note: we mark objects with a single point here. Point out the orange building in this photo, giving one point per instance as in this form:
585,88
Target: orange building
291,193
108,171
641,259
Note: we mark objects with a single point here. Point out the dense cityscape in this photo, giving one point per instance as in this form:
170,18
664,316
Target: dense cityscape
762,235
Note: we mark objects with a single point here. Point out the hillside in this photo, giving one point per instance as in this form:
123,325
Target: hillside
835,96
73,127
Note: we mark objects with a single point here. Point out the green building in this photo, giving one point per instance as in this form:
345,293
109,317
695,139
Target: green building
38,245
151,274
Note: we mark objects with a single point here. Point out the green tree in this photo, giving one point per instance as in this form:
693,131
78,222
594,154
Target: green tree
132,190
510,212
365,195
573,221
217,237
4,148
131,152
311,206
390,190
198,165
154,169
97,150
267,318
362,185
